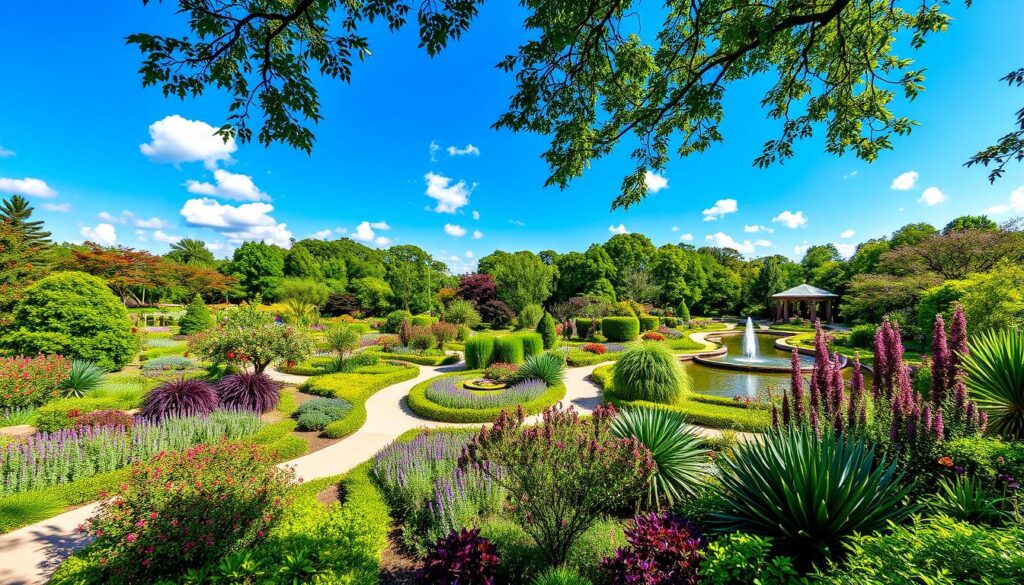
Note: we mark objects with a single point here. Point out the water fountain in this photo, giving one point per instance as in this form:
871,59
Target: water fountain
750,342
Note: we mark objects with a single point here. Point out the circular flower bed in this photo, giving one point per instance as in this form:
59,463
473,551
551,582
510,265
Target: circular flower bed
484,384
452,399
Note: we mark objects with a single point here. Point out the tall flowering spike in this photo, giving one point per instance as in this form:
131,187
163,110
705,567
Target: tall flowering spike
971,418
905,387
863,419
814,420
894,349
837,425
821,358
926,417
879,384
957,342
959,400
940,362
982,421
838,384
939,426
796,384
815,398
786,413
775,417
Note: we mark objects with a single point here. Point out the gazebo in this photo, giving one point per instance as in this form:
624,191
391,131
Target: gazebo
803,301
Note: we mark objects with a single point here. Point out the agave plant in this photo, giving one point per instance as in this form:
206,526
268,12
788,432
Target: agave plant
248,391
809,493
995,378
84,376
546,367
966,499
676,447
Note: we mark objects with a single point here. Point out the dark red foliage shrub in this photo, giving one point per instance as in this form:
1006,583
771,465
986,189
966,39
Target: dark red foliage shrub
386,342
478,287
179,398
340,304
595,348
105,418
497,313
664,549
444,333
247,391
653,336
462,558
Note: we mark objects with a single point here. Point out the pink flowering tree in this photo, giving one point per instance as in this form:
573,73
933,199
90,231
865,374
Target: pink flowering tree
249,336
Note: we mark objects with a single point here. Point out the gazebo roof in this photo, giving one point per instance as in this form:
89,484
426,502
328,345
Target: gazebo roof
804,291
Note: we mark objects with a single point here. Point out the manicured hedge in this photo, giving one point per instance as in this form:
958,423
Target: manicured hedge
421,321
423,406
422,360
578,357
508,349
316,366
620,328
649,323
670,321
356,387
708,411
479,350
583,326
533,344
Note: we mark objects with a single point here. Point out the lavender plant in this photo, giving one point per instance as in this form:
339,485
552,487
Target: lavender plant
449,392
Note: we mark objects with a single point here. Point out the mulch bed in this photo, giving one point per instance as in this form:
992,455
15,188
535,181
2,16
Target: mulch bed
396,566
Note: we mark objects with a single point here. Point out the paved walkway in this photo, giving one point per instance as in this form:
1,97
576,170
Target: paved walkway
30,554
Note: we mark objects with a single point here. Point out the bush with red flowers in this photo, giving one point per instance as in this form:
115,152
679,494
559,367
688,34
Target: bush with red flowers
105,418
461,558
386,342
186,509
248,391
182,397
595,348
653,336
501,372
664,549
31,381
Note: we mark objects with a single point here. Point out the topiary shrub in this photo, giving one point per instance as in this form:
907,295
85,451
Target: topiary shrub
479,352
197,317
530,316
683,312
508,349
248,391
649,323
548,330
664,549
533,344
421,321
586,328
463,557
179,398
620,328
670,321
393,322
649,371
75,315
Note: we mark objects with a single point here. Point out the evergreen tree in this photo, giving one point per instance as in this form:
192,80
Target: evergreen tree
548,331
16,212
197,317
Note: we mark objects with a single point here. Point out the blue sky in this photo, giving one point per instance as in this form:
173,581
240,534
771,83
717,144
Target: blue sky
103,159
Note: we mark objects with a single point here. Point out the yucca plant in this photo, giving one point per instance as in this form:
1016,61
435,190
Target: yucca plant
649,371
995,379
342,340
966,499
85,376
546,367
675,446
807,492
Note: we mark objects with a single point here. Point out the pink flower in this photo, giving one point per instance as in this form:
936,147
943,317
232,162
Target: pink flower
132,537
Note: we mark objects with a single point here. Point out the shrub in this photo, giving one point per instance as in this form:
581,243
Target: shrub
463,557
187,509
197,317
594,348
393,322
807,492
995,378
170,363
105,418
179,398
85,376
314,420
663,550
462,312
444,333
421,321
683,312
479,352
497,313
862,336
986,458
746,559
649,323
548,331
548,368
316,414
561,476
26,381
674,445
966,499
560,576
620,328
74,315
533,343
248,391
670,322
587,328
508,349
653,336
342,340
649,371
530,316
501,372
340,304
356,361
250,336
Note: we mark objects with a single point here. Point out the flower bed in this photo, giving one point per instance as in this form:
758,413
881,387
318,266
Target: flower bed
31,381
445,400
355,387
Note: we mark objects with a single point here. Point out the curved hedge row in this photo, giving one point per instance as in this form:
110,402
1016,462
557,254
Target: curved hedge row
422,360
478,351
356,388
423,406
620,328
649,323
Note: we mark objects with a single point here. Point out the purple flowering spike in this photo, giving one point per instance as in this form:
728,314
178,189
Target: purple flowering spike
957,342
939,426
940,362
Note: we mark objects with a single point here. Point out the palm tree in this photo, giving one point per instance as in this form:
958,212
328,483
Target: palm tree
191,252
16,212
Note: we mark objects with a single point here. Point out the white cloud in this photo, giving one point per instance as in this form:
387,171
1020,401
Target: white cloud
469,150
177,140
932,196
153,223
619,229
56,207
242,223
477,234
763,243
850,175
904,182
141,235
517,222
675,228
6,152
801,249
322,234
160,236
380,225
654,182
233,186
382,241
721,208
449,197
723,240
847,234
104,234
454,230
28,187
686,237
790,219
434,147
366,232
127,217
750,229
476,214
469,254
846,250
1015,205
